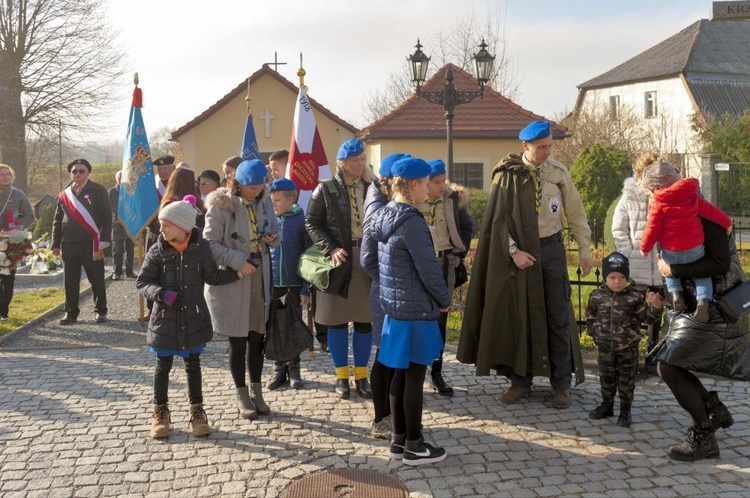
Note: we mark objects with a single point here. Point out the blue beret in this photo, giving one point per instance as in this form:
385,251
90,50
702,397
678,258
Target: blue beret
535,131
252,172
437,167
350,148
282,185
387,163
410,168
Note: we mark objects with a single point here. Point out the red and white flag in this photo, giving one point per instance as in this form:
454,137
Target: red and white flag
308,164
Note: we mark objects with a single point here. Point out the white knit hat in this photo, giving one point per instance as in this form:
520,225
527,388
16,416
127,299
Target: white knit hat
180,213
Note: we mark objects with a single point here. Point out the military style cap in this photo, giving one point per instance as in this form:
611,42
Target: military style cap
79,161
163,160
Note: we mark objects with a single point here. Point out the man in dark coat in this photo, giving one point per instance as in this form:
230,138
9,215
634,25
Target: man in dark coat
518,312
122,245
82,228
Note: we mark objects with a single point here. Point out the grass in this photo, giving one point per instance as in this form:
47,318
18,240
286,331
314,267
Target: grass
29,305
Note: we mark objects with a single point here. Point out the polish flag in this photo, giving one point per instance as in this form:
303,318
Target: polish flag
308,164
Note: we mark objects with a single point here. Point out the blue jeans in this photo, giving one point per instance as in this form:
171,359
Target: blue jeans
704,287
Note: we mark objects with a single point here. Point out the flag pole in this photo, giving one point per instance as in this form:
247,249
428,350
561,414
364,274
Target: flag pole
248,99
141,248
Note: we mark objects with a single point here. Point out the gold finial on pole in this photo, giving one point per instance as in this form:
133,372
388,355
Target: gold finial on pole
301,73
248,98
135,79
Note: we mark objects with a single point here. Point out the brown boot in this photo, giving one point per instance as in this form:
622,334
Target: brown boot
160,421
198,420
561,399
514,395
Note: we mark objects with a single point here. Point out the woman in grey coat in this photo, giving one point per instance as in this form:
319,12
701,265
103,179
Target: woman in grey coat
15,212
240,227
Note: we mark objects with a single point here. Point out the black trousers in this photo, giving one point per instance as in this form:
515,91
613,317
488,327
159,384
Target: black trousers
406,400
77,255
194,378
120,248
557,305
6,292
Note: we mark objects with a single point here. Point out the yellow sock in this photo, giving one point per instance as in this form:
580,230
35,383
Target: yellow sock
342,372
360,373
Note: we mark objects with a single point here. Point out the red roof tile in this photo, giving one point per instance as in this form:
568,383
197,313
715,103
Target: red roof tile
493,116
242,88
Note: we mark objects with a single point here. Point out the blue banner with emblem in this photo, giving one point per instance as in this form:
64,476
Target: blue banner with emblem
249,142
139,201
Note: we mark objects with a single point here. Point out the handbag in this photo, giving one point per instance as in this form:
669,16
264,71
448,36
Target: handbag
735,302
287,335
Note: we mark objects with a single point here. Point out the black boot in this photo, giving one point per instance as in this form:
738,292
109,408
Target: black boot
625,419
718,413
437,381
678,303
602,411
342,388
363,388
279,376
295,377
702,314
700,444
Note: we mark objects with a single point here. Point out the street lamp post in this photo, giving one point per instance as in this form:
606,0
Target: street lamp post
449,98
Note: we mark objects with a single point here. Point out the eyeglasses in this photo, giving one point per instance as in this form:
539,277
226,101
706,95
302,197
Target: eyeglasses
78,171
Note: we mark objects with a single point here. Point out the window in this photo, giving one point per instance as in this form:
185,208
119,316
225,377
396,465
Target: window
649,105
468,174
614,106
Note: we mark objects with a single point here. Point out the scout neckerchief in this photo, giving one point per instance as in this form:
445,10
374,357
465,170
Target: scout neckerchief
433,210
253,223
355,206
80,214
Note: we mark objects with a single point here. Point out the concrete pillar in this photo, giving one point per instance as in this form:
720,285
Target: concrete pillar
708,177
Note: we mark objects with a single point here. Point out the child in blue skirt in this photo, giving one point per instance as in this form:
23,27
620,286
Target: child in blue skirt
172,276
413,293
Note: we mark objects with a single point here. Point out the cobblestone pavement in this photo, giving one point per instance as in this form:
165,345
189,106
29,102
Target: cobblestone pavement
74,421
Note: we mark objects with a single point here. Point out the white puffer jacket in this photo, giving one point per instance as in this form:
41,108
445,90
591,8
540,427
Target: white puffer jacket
627,227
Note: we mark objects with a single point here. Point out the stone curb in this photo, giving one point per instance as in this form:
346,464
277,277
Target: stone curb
34,321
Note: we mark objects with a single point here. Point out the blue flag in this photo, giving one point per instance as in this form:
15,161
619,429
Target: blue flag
139,201
249,143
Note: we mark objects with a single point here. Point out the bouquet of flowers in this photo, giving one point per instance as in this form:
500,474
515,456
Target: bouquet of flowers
15,246
42,259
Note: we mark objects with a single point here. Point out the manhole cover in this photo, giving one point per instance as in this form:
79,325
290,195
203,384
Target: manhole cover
346,483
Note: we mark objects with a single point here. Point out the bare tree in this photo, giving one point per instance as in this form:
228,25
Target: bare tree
159,141
626,130
457,45
58,61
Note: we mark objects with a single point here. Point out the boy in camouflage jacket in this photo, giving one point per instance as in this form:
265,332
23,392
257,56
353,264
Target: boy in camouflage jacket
613,317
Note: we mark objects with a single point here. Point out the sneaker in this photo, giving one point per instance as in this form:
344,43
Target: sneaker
514,394
397,446
3,318
426,454
130,274
382,429
561,399
116,276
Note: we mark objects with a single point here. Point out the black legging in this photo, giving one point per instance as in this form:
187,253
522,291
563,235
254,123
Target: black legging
194,378
406,401
380,381
242,348
687,390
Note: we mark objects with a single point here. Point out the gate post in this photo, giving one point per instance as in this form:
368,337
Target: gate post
708,177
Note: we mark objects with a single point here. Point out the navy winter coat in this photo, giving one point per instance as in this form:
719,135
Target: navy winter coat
285,257
164,268
374,200
411,282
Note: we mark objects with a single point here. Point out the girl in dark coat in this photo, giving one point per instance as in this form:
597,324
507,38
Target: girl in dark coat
715,348
412,295
173,274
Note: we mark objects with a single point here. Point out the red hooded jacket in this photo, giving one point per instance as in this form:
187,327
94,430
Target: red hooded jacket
673,217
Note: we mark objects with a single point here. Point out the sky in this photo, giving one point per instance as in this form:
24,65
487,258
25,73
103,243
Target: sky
189,54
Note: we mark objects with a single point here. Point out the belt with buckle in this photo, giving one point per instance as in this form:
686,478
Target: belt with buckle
551,239
356,242
442,254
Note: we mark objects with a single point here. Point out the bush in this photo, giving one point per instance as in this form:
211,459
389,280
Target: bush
477,206
597,174
43,228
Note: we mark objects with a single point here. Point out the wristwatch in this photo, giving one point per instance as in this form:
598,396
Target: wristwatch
513,249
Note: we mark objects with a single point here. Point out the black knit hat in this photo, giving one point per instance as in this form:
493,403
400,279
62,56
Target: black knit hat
615,262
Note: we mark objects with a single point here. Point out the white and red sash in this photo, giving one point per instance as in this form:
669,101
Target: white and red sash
81,215
161,189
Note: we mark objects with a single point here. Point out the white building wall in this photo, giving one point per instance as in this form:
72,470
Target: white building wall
671,128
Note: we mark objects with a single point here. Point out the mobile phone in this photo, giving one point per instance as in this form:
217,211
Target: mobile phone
253,263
